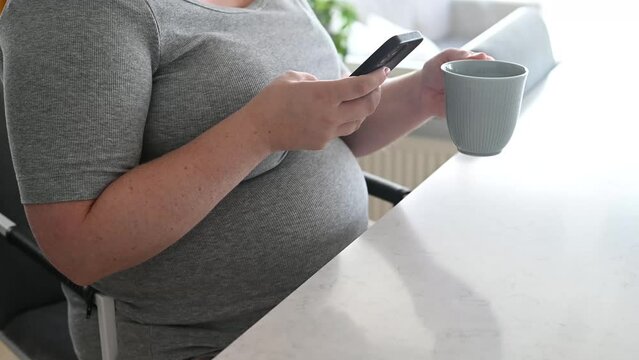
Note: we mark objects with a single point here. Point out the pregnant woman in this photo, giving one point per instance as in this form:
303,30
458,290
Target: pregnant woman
193,159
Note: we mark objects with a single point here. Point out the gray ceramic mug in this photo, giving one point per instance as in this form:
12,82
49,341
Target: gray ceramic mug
483,100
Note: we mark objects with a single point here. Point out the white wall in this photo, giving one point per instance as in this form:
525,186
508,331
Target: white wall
431,17
447,22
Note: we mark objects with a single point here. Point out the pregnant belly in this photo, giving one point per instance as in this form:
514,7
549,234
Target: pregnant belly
262,241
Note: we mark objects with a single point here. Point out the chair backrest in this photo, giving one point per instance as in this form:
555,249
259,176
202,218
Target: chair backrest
24,284
520,37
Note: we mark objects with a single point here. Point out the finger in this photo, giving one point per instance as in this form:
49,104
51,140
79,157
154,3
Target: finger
300,76
308,77
459,54
453,54
349,127
361,107
357,86
480,56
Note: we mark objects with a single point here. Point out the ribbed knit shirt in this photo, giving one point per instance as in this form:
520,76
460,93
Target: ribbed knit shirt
95,88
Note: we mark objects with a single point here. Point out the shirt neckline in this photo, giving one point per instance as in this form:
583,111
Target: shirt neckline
255,5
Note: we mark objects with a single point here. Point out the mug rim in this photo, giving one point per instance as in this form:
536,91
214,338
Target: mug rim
522,67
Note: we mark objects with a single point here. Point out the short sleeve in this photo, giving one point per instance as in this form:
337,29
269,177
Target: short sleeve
77,79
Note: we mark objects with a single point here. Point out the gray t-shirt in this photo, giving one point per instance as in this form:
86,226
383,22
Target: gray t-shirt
94,88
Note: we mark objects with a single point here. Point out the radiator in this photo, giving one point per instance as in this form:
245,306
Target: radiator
408,162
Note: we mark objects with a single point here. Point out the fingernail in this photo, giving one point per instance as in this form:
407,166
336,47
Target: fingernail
386,70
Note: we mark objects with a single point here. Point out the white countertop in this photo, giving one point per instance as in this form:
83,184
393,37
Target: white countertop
531,254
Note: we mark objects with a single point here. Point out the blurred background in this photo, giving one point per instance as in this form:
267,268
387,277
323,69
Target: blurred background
359,27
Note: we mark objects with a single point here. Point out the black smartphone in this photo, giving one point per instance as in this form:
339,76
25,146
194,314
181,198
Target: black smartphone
391,53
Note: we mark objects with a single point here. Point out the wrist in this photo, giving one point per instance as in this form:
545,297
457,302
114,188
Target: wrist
420,99
251,126
429,101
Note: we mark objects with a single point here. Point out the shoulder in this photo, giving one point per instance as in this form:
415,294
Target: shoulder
77,24
81,13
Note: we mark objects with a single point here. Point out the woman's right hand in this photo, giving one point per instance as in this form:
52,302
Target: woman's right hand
296,111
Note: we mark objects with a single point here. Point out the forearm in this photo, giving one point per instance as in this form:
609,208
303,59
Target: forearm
401,110
152,206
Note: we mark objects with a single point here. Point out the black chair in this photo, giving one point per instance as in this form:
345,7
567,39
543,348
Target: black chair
33,310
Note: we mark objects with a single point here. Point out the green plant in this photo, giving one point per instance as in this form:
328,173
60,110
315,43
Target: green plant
337,17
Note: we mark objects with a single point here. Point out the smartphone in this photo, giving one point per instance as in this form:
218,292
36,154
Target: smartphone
391,53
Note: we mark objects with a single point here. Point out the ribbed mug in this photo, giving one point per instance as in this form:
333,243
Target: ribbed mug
483,100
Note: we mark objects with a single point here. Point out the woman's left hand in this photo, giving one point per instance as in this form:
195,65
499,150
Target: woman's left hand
432,79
